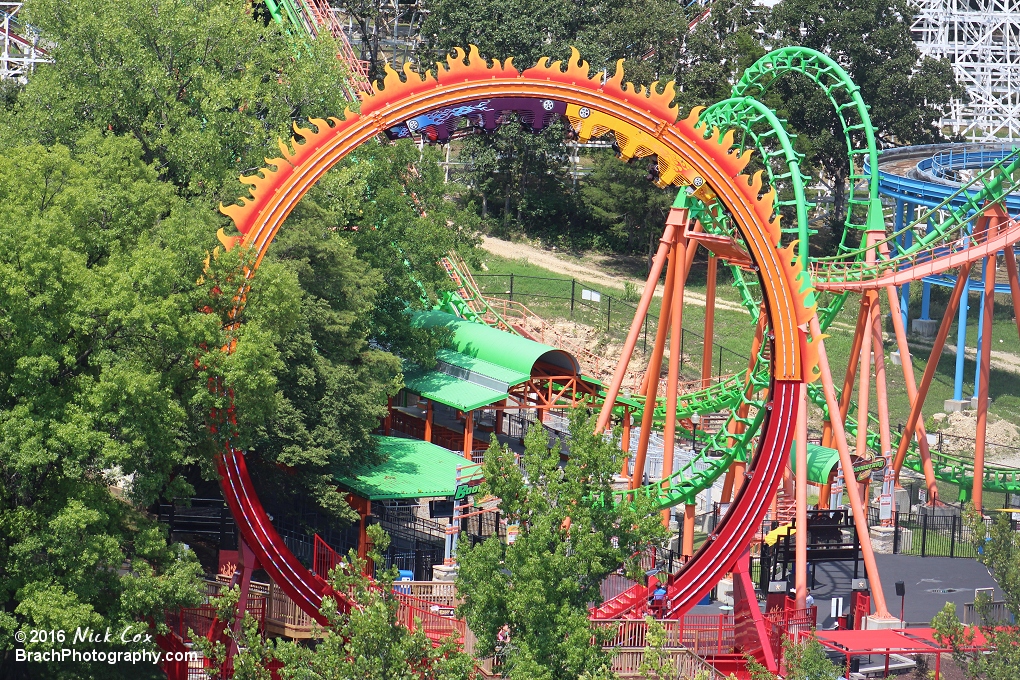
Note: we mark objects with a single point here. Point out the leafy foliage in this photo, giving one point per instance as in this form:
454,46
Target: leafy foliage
871,40
202,85
111,161
521,179
622,200
657,663
542,584
803,660
368,644
98,262
997,550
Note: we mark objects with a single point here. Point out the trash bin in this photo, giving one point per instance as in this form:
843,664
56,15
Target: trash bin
403,575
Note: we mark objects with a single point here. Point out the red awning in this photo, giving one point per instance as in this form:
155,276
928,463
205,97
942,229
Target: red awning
890,641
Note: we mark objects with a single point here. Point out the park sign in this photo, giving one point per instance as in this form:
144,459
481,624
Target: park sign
865,466
466,489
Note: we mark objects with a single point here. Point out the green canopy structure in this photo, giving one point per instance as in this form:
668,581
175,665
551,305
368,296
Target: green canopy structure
411,468
441,387
820,461
495,346
483,364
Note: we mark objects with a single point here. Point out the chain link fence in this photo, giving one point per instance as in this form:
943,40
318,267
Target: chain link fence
609,316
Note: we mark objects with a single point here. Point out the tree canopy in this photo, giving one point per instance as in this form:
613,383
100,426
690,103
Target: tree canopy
571,537
98,262
997,548
112,162
371,643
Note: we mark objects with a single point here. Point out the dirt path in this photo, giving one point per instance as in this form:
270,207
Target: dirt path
588,272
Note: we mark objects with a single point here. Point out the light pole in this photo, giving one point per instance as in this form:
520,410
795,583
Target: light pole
695,419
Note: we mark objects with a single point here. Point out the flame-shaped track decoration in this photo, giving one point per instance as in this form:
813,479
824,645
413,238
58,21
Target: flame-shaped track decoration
644,121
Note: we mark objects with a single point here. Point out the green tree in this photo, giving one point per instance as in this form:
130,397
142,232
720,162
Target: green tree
522,180
105,358
371,643
802,660
870,39
542,585
335,289
720,47
100,335
657,663
646,33
622,200
997,549
203,86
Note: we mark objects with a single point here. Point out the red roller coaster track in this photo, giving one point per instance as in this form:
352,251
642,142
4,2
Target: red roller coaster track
647,121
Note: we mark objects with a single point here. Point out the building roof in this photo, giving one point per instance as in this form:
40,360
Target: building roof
478,370
495,346
441,387
411,469
894,641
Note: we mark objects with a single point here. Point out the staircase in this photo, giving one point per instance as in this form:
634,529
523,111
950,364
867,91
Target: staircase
786,509
622,604
413,613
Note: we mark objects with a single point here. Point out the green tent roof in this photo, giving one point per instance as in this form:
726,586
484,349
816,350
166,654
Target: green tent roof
446,389
820,461
494,346
476,368
411,469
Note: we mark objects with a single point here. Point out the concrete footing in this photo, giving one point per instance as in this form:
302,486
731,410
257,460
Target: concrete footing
926,328
882,539
874,623
894,357
724,591
442,572
957,405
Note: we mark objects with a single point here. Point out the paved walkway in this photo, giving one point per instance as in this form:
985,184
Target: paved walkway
920,576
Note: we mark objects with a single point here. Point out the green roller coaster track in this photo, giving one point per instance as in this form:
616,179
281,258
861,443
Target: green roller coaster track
760,129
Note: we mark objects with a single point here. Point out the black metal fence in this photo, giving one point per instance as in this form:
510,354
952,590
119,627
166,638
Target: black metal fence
208,517
612,314
926,534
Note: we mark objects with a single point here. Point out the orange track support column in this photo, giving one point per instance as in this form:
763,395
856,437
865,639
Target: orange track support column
864,389
625,435
625,442
654,369
881,388
849,377
860,514
801,537
911,383
676,318
984,366
677,217
1014,283
428,422
687,549
706,350
933,361
727,486
469,433
878,351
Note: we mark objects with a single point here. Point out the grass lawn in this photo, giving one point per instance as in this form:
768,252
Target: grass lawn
549,295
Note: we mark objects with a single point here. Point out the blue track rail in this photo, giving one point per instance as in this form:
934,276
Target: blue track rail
929,183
